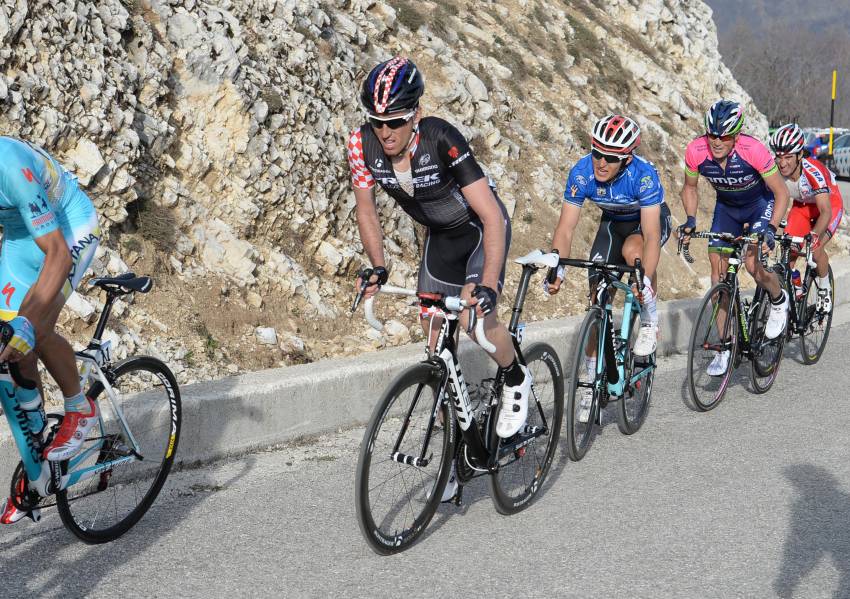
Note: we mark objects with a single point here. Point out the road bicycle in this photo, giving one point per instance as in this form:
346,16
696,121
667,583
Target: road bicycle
426,421
106,488
730,322
618,375
806,319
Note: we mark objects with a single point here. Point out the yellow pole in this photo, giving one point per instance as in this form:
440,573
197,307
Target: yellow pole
832,109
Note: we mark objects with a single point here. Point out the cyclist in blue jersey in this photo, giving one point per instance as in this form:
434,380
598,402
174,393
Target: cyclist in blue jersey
50,234
635,221
750,191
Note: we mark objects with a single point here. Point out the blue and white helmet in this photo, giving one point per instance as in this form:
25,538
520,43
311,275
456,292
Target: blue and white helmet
725,117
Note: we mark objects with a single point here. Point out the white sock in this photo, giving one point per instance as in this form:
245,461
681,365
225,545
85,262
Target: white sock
823,282
77,403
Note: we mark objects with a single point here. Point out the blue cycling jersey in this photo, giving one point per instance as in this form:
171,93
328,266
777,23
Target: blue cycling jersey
37,197
36,193
636,186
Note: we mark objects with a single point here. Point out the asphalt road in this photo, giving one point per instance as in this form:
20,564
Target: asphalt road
750,500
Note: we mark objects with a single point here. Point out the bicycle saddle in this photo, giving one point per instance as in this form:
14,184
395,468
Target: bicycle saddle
124,283
539,259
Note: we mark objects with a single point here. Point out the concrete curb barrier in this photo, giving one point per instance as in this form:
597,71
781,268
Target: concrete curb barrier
261,409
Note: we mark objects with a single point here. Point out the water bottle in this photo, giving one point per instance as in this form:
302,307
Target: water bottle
798,283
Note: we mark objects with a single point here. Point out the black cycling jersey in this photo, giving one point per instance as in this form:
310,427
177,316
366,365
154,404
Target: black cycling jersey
442,163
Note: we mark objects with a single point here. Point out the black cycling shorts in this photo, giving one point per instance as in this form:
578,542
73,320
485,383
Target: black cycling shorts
612,234
455,257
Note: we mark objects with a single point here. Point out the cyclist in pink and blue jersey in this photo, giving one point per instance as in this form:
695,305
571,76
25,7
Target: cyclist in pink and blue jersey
50,234
750,192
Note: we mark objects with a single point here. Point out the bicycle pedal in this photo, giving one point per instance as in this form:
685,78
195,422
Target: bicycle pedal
34,515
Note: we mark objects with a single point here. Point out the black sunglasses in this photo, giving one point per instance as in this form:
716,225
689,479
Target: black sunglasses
597,155
391,123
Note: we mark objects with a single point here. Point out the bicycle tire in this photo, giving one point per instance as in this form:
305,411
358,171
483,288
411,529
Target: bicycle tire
157,447
705,395
633,406
766,353
522,472
384,534
814,322
579,434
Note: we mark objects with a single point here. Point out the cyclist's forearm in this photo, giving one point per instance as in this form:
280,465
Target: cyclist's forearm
690,200
494,251
651,254
52,278
822,223
371,235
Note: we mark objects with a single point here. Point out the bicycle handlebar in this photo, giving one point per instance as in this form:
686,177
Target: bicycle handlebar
6,334
753,238
452,303
636,271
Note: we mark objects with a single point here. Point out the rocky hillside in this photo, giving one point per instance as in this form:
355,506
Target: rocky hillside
211,136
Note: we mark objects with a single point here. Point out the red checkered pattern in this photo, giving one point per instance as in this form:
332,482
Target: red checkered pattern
361,178
384,83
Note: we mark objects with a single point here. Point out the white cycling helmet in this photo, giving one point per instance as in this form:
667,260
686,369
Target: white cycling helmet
787,139
615,135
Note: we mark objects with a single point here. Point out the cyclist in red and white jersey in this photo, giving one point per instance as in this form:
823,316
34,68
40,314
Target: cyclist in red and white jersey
817,205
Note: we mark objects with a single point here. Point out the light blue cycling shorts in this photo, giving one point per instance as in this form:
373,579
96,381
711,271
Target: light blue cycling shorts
21,260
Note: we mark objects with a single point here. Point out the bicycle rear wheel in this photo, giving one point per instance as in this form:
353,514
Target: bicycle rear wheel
579,432
395,501
522,470
104,507
815,324
633,406
714,333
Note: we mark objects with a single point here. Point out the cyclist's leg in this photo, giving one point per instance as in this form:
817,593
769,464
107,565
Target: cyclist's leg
633,247
759,217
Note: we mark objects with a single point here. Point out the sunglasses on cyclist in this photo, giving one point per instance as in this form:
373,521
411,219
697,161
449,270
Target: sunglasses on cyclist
609,158
393,123
712,137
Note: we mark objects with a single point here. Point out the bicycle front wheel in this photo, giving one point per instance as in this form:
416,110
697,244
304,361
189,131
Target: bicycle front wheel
713,347
405,460
766,353
640,372
815,323
135,444
584,388
524,463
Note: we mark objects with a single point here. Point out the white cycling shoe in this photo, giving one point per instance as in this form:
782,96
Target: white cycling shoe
514,410
585,404
777,319
719,364
647,340
824,304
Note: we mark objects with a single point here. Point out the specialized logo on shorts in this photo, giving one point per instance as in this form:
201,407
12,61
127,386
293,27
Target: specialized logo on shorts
453,152
645,183
8,291
425,159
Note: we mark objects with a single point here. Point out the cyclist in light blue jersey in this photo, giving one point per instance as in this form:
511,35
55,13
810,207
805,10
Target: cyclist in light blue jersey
50,234
635,220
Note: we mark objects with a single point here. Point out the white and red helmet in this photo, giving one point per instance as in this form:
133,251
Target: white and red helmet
615,135
788,139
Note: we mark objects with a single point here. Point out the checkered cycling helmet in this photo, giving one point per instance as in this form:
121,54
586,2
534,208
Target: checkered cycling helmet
788,139
392,86
725,117
615,134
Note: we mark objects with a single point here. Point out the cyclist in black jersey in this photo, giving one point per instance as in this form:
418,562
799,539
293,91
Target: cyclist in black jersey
427,166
